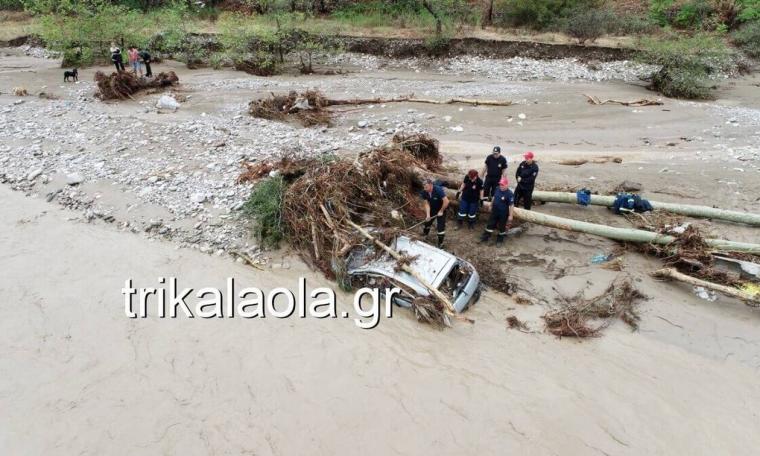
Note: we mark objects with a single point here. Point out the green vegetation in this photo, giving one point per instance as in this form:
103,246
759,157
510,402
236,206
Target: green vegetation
539,14
588,24
84,32
687,64
375,14
747,39
708,15
11,5
264,206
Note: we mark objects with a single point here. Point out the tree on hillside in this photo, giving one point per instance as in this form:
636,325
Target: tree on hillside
487,18
436,15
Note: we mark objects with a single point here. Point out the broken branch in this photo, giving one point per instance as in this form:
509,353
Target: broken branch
636,103
670,273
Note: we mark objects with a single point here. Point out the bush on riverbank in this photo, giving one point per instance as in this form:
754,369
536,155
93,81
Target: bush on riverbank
687,65
264,207
748,39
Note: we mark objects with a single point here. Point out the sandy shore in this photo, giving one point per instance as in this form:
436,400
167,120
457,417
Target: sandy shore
78,377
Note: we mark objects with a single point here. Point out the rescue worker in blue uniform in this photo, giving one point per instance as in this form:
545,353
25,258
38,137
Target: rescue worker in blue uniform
526,179
502,207
495,169
469,195
436,203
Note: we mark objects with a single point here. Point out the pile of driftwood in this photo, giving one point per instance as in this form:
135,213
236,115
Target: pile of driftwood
579,317
329,202
122,85
311,107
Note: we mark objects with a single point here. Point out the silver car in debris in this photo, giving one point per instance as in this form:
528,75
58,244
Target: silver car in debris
451,275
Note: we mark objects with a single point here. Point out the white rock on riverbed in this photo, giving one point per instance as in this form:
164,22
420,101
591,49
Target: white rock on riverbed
74,179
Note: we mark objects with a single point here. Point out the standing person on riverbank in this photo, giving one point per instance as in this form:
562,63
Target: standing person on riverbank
146,58
526,179
469,195
496,167
134,61
501,213
116,57
436,203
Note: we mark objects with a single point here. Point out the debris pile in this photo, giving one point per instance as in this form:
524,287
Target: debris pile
689,252
580,317
307,108
323,194
327,200
310,108
122,85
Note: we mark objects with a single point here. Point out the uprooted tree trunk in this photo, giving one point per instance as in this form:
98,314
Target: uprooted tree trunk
413,99
636,103
310,107
752,300
121,85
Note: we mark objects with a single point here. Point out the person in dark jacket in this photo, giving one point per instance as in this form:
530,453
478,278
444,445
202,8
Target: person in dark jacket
495,169
146,58
526,180
116,58
436,203
501,213
469,195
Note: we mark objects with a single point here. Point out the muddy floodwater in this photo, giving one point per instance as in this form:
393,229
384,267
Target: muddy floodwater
95,193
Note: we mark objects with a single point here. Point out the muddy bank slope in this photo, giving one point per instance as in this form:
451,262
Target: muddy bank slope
408,47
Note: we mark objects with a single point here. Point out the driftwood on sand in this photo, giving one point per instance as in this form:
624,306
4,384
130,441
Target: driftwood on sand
636,103
413,99
310,107
670,273
579,317
583,161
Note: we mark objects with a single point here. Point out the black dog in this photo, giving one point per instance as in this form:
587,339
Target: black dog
73,74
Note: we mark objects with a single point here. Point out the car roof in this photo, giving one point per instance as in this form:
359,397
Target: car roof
431,263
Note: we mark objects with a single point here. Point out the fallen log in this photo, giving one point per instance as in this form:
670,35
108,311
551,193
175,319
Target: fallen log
682,209
583,161
449,307
618,234
412,99
670,273
636,103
